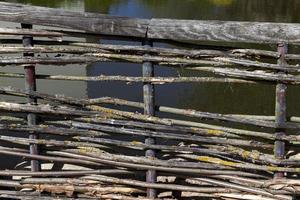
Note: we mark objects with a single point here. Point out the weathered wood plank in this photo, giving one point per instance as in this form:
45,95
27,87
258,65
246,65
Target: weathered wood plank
228,31
166,29
92,23
224,31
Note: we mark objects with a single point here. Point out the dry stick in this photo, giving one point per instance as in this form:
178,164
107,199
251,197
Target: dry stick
4,49
140,145
49,60
256,52
130,115
30,32
12,119
10,183
241,188
105,48
64,143
8,196
156,185
198,158
70,189
239,196
52,181
266,118
44,109
288,185
65,173
242,165
218,150
48,158
251,75
184,188
214,116
86,146
147,167
128,79
230,130
37,195
95,189
93,48
187,137
250,63
19,193
264,53
191,113
255,156
189,53
115,101
97,57
141,160
157,127
61,110
237,74
51,130
122,197
188,62
176,61
214,130
106,57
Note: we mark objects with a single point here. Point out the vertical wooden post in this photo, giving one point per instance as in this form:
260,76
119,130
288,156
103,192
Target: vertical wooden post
30,85
280,110
148,89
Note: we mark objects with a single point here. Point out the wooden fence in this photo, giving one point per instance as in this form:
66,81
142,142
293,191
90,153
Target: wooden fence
213,162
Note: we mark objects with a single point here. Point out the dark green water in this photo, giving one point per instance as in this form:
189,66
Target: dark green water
223,98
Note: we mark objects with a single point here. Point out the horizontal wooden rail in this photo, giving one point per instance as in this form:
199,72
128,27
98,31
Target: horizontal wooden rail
155,29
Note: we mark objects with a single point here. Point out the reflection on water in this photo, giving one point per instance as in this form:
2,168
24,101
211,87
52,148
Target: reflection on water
207,97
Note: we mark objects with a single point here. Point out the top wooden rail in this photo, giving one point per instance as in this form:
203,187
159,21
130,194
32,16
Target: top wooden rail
154,29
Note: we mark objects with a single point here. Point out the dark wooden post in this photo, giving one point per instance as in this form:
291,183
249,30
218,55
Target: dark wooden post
149,106
280,110
30,85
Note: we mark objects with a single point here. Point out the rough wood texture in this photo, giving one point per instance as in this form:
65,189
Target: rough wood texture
93,23
169,29
225,31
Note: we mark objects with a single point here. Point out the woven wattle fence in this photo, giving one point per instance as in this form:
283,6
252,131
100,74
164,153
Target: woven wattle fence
72,145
